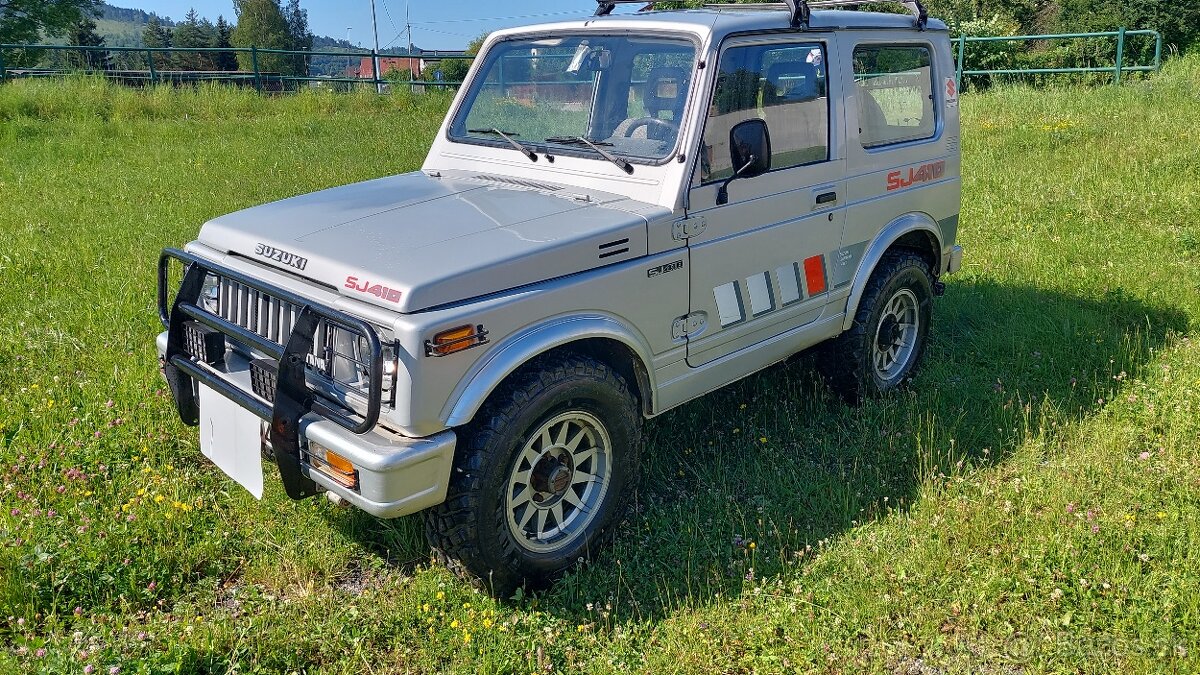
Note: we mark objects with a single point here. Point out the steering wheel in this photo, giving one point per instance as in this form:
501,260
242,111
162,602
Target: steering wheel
670,128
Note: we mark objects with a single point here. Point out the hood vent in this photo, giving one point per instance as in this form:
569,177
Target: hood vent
517,182
614,248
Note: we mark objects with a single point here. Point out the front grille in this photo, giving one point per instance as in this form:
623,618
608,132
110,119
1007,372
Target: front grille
262,314
338,353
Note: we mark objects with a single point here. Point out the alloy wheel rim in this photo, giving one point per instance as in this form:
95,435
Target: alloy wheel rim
558,481
896,335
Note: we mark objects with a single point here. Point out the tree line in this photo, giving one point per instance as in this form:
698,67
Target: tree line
274,25
266,24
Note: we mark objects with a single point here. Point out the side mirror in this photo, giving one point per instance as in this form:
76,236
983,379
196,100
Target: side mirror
750,152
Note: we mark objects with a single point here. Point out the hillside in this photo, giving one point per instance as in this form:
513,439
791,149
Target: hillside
1031,505
123,27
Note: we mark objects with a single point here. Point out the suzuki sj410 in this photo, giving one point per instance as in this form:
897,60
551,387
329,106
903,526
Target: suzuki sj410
618,215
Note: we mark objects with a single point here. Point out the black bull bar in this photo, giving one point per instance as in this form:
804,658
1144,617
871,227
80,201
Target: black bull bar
293,398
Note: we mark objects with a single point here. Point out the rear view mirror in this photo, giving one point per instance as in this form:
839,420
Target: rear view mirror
590,59
750,152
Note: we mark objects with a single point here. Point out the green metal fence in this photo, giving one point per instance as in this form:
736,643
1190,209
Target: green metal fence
263,80
259,78
1118,69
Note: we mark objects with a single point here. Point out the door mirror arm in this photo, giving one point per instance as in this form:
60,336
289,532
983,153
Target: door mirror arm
723,192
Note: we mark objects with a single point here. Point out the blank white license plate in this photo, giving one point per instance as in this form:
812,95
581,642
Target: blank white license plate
231,437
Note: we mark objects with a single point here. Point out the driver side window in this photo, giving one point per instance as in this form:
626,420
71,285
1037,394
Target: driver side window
784,85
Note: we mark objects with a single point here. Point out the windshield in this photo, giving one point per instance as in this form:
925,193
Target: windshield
570,94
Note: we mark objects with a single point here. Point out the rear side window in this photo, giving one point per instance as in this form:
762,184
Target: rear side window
783,84
895,94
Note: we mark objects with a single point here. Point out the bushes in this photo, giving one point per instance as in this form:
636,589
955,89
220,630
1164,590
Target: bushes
998,55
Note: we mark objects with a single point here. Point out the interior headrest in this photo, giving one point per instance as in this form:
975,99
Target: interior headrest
666,89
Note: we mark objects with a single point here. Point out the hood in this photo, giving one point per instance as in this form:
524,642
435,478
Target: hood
415,241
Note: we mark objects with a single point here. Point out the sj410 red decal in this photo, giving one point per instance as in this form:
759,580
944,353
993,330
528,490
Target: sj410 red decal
379,291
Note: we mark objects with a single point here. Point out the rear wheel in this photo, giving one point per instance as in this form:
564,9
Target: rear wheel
883,348
542,475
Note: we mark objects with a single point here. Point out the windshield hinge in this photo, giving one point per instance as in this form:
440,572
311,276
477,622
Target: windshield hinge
687,326
686,228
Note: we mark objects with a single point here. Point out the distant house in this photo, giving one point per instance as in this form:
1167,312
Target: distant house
366,67
414,60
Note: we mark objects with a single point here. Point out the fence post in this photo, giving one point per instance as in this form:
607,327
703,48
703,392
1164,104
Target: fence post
1158,47
150,61
1120,56
3,68
375,74
962,54
254,65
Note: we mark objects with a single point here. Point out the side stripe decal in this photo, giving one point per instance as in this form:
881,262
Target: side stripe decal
756,296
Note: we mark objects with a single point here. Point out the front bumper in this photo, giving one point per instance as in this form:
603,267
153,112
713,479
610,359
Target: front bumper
397,475
390,474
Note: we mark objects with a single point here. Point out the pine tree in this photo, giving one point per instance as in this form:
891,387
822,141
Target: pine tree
299,37
221,40
260,23
83,33
190,33
157,35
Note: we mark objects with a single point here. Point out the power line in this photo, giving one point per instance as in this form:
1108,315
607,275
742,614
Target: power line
418,25
504,18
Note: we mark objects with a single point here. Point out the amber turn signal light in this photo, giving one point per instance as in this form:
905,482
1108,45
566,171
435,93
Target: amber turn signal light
455,340
333,465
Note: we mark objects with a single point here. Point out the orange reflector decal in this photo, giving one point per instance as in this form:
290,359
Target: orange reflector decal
814,274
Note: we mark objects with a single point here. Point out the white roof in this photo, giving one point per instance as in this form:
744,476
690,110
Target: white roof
721,22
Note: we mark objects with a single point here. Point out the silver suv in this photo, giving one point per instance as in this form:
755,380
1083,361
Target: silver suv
619,215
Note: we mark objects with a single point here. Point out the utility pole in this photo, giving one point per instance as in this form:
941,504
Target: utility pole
349,52
412,75
375,29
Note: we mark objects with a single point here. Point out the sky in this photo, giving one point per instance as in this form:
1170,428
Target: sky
436,24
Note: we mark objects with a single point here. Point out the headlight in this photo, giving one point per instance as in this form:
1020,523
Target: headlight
210,294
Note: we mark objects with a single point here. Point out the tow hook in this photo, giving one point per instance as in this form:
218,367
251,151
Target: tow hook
939,289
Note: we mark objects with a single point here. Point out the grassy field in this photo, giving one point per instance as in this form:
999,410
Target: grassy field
1032,505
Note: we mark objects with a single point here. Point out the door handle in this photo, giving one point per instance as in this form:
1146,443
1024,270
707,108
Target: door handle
826,198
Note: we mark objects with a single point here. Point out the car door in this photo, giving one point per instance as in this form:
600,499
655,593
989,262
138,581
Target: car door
760,263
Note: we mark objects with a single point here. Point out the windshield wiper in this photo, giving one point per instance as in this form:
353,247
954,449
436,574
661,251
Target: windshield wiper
594,145
511,141
574,140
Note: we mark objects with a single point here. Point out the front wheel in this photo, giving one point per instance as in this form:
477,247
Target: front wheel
542,475
883,347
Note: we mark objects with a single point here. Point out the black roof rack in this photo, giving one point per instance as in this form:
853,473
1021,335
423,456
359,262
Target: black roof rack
801,10
605,7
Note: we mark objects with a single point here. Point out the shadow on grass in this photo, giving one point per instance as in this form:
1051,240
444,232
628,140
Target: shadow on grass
776,460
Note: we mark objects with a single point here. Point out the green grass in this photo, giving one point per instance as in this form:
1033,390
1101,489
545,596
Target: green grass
1032,505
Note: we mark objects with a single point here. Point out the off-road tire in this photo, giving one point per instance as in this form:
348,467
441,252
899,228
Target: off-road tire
847,363
470,531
